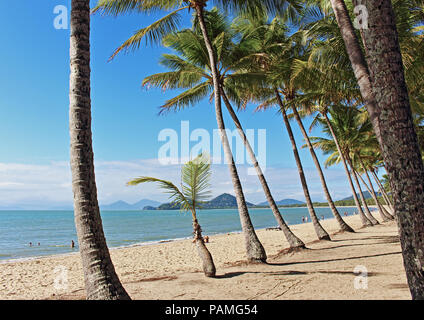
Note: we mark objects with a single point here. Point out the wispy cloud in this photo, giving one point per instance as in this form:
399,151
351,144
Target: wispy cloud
49,185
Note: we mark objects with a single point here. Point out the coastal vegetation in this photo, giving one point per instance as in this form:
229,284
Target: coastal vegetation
195,190
363,86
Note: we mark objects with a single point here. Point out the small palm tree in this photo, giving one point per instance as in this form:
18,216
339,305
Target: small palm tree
190,70
195,176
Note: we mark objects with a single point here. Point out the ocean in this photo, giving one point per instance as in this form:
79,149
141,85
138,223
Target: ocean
51,232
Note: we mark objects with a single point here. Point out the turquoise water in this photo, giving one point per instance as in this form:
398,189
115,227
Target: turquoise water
54,230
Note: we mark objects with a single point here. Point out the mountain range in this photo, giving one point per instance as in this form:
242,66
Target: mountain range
284,202
366,194
122,205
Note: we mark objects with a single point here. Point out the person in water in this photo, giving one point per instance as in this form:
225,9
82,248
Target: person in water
72,244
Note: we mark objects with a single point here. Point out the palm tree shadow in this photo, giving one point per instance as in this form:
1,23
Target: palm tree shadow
230,275
332,260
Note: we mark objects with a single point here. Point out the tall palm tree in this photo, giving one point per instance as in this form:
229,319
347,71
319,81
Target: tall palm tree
382,189
272,41
191,71
156,31
319,230
371,190
342,224
388,104
361,194
101,280
195,176
340,128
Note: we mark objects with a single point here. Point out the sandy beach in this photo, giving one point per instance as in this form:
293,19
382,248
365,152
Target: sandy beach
171,270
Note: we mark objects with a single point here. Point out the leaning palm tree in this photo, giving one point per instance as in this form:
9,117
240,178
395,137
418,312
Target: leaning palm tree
275,46
190,70
195,176
339,128
382,82
155,33
101,280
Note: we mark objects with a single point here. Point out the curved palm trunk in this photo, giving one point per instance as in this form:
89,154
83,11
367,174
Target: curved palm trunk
361,195
357,60
293,241
342,224
101,280
371,191
395,132
319,230
365,221
384,214
204,254
382,191
255,250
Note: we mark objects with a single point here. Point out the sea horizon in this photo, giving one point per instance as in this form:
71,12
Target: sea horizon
54,230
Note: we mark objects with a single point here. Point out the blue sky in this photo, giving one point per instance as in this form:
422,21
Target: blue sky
34,138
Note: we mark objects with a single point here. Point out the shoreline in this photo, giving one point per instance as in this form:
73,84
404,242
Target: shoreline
172,270
155,242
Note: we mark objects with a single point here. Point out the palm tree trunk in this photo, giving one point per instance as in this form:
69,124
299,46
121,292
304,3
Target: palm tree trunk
204,254
396,134
361,195
294,242
357,60
365,221
319,230
101,280
382,191
384,214
255,250
371,191
342,224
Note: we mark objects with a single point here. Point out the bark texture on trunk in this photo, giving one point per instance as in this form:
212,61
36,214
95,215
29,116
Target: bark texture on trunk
399,145
292,239
342,224
255,250
319,230
357,60
365,221
101,280
203,252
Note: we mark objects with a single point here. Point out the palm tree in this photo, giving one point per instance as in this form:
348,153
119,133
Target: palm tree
191,71
370,188
342,224
154,33
274,45
361,194
195,176
388,104
382,190
101,280
319,230
340,129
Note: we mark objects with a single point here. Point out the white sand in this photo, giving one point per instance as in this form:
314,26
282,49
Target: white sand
172,270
